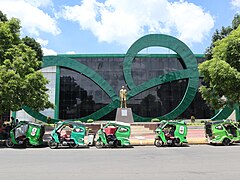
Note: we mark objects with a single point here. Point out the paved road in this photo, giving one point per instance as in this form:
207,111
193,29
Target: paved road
145,162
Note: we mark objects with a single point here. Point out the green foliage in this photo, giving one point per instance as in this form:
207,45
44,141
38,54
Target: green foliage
20,59
49,120
34,45
228,49
155,120
90,121
195,124
222,72
236,21
220,34
3,17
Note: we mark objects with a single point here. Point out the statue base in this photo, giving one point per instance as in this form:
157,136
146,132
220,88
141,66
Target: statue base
124,115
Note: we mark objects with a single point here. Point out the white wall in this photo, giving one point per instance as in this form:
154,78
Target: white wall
50,74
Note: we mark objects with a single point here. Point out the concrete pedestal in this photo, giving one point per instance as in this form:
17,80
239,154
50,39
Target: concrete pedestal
124,115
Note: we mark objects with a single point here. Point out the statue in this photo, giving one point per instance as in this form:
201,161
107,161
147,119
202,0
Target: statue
123,97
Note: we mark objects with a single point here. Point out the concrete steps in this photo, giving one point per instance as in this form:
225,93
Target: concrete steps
139,130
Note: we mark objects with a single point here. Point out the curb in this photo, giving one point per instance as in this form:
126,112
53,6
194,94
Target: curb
197,141
150,142
142,142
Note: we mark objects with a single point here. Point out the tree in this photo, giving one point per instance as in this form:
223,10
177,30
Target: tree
220,34
34,45
21,81
3,17
222,72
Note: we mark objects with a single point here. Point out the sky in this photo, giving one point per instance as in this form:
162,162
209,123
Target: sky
112,26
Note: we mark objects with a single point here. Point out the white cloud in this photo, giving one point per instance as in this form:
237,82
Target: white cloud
191,22
42,42
235,3
70,52
40,3
47,52
33,20
124,21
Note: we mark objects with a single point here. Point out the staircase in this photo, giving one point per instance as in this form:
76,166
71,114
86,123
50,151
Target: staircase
140,130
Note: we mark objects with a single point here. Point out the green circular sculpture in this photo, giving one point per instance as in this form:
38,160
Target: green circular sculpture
190,71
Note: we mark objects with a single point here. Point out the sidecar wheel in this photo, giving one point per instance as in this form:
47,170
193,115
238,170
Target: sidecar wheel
99,144
158,143
9,143
226,142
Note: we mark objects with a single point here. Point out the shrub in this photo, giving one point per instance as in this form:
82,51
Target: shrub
155,120
193,119
90,121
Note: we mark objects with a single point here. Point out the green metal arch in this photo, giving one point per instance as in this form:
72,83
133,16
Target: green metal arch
77,66
190,64
226,112
88,72
223,113
191,72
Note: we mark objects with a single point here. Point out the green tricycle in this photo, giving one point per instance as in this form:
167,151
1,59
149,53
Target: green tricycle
113,134
172,133
68,133
223,132
26,133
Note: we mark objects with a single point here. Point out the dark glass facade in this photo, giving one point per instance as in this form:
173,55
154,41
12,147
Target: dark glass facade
80,96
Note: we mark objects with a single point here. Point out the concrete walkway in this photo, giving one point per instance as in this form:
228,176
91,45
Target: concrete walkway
194,136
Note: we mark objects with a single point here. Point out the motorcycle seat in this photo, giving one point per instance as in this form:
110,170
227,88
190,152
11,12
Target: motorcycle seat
110,130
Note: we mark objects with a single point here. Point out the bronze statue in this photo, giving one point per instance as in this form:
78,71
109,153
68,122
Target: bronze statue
123,97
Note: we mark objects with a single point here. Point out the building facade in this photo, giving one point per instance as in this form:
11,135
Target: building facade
164,86
80,96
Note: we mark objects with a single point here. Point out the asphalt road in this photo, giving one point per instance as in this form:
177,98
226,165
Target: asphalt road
194,162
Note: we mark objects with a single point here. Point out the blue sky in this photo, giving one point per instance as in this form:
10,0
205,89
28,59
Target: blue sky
111,26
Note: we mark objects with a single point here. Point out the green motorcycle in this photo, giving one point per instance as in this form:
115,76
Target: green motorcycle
113,134
222,132
68,133
26,133
172,133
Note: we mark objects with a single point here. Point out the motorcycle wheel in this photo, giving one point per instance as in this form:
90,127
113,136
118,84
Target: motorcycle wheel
52,144
177,142
72,144
27,144
117,143
158,143
9,143
226,142
99,144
